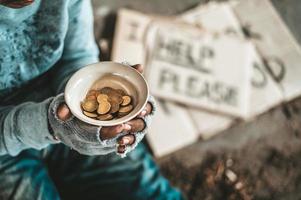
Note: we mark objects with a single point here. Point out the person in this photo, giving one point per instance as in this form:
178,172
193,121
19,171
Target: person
45,152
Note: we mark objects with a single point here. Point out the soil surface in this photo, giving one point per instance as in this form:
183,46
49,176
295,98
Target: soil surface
260,159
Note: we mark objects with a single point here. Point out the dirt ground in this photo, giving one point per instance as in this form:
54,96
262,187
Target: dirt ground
255,160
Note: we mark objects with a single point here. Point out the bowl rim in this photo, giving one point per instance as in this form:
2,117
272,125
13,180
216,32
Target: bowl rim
110,122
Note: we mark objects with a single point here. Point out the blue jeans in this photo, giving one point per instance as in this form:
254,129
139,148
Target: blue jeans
60,173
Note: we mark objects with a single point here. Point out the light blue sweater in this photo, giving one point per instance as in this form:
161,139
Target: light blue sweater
49,39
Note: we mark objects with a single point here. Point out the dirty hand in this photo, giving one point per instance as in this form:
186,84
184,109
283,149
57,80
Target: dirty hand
133,128
93,140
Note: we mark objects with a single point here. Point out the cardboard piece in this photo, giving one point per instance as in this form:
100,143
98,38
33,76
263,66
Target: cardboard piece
275,43
128,39
199,68
219,17
215,17
171,129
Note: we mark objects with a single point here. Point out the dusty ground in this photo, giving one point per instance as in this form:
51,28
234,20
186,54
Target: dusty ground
260,159
256,160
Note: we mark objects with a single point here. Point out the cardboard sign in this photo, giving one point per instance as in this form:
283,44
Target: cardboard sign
275,43
198,68
265,92
171,129
215,17
219,17
128,39
209,124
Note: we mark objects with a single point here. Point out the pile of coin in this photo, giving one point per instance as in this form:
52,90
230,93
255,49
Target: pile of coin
107,104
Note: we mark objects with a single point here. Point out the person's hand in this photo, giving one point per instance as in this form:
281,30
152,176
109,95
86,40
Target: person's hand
131,127
127,134
78,135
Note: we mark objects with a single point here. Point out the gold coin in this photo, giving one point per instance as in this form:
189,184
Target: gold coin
126,100
121,92
91,97
102,97
105,117
114,107
121,114
106,90
90,105
88,114
113,94
115,97
104,107
126,109
93,92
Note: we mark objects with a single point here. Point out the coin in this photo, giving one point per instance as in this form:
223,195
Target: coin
91,97
114,107
104,107
121,92
121,114
109,103
88,114
115,97
105,117
126,100
90,105
93,92
106,90
126,109
102,97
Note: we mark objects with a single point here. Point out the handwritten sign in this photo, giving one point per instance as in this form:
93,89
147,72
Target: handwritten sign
280,50
198,68
219,17
128,38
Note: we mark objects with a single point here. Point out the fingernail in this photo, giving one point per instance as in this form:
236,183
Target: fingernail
127,127
126,140
121,149
143,112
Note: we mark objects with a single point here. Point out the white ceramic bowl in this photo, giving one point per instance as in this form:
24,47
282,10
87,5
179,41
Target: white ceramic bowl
115,75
